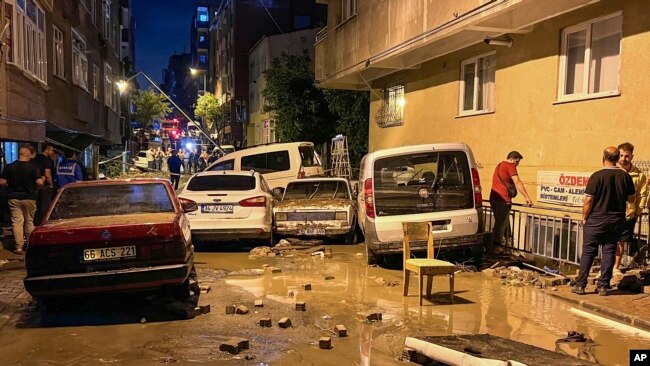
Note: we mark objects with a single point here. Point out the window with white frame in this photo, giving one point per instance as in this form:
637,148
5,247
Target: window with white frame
108,85
58,64
96,81
590,58
477,84
27,38
79,60
348,9
391,112
107,19
269,132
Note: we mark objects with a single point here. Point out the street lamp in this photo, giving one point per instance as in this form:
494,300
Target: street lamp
195,72
122,86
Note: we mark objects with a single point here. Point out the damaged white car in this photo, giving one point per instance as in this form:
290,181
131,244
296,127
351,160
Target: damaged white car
320,207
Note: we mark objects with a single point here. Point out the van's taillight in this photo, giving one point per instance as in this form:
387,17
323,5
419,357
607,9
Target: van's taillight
301,173
478,196
253,202
368,198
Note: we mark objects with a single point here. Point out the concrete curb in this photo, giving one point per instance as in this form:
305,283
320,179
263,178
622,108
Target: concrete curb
617,315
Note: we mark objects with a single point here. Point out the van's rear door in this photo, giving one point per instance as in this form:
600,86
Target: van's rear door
424,186
309,160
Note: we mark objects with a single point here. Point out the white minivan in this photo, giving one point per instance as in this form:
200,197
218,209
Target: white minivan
437,183
279,163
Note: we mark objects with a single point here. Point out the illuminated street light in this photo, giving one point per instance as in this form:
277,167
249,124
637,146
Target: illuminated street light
122,86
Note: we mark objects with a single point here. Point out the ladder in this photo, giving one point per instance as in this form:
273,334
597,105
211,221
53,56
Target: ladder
340,158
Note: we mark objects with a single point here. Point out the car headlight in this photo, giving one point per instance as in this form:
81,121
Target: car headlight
341,215
281,216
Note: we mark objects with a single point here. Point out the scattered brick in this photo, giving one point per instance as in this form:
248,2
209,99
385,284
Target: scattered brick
274,269
301,306
341,330
284,323
265,322
554,281
205,309
205,289
230,346
242,309
370,317
242,343
306,287
259,303
325,343
230,309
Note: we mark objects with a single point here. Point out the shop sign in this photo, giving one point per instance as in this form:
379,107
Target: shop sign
562,188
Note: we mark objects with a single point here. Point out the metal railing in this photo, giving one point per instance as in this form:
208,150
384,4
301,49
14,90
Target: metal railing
556,233
321,35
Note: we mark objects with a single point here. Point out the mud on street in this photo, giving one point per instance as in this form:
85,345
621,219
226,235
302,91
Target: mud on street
149,331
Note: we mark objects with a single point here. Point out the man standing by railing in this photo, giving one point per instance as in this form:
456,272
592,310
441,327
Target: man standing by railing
634,210
603,219
505,184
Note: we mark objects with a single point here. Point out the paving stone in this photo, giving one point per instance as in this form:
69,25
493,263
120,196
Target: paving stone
284,323
259,303
341,330
301,306
242,310
554,281
204,309
325,343
306,287
274,269
266,322
231,346
370,317
242,343
646,289
230,309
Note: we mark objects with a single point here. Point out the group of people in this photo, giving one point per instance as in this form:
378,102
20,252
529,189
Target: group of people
192,161
615,198
31,182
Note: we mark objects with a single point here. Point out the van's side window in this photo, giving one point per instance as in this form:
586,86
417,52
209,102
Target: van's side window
278,161
224,165
255,162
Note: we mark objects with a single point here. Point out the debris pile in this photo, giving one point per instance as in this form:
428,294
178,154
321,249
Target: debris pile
312,247
515,276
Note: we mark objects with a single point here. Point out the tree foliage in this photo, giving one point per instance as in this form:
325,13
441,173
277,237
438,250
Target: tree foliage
351,109
150,106
300,107
209,107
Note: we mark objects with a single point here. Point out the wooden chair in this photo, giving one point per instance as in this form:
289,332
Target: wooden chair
429,266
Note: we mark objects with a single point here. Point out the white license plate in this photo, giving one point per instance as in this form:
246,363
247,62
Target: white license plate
310,231
217,208
105,254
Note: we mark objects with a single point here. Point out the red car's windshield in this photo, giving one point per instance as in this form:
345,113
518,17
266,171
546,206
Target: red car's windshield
108,200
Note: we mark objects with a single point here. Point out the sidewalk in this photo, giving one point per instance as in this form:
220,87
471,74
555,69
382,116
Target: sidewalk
625,307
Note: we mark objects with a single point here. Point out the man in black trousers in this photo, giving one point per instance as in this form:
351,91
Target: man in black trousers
603,217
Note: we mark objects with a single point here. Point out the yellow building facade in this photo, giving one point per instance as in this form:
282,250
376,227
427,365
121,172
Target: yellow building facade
555,80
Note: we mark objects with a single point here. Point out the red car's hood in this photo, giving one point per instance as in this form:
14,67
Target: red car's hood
156,226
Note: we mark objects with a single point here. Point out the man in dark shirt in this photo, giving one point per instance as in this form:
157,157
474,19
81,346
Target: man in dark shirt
174,164
22,179
603,217
44,195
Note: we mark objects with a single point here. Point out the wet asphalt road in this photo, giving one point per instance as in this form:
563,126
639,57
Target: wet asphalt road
139,330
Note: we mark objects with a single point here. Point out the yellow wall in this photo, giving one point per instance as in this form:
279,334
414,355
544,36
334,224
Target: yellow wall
565,137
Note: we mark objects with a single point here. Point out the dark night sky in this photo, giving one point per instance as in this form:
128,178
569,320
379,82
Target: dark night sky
162,27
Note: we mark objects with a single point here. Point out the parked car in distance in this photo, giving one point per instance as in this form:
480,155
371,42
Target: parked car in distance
322,207
140,160
112,236
279,163
233,205
437,183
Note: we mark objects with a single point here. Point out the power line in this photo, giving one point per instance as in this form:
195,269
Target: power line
270,15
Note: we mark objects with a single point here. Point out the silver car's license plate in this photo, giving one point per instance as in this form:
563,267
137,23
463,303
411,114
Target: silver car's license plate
217,208
311,231
105,254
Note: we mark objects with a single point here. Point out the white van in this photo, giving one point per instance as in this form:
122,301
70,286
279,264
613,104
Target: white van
437,183
279,163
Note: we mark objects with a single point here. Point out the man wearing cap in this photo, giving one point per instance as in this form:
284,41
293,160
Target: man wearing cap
504,180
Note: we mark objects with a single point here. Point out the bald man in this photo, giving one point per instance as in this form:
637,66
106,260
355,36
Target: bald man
22,179
603,217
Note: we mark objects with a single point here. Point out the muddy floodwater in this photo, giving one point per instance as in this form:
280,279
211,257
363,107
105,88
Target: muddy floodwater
135,332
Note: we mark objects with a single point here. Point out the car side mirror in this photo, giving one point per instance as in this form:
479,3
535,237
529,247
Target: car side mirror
277,193
189,205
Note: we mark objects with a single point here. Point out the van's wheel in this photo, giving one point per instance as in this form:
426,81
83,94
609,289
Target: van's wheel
271,239
477,256
351,237
373,258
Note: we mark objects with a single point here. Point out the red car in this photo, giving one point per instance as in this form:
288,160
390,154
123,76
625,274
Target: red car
112,236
